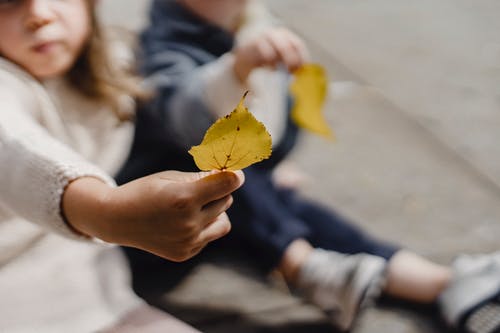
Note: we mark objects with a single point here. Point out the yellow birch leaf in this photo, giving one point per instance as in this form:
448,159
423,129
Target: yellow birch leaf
233,142
309,89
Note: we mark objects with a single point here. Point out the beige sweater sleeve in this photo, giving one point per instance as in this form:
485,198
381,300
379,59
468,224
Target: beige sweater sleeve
35,167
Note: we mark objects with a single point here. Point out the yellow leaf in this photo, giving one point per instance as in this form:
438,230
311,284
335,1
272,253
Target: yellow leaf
233,142
309,90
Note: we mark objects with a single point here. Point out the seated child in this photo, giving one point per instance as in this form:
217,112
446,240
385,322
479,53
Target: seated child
201,56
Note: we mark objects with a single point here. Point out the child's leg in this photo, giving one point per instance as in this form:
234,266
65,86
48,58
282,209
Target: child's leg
343,282
293,259
340,284
408,275
320,266
467,294
412,277
327,230
331,231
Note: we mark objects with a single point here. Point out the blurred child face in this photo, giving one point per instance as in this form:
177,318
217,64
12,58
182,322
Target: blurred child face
45,37
224,13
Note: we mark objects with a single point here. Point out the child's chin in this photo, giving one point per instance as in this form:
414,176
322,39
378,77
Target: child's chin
50,72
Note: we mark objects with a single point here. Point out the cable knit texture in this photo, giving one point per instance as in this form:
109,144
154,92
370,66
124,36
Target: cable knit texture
49,136
34,164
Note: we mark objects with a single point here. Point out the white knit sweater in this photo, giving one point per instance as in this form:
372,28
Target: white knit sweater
50,135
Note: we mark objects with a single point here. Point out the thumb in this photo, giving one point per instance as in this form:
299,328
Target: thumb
215,185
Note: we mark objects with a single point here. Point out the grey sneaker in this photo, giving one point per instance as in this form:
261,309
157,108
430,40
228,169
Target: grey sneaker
475,284
341,284
485,319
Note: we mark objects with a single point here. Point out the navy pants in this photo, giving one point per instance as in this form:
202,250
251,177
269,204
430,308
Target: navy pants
269,219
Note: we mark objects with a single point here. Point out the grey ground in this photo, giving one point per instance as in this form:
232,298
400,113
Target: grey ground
415,103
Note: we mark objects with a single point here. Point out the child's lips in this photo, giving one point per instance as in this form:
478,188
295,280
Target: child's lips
45,47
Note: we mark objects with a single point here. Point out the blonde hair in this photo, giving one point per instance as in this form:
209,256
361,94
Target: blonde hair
97,77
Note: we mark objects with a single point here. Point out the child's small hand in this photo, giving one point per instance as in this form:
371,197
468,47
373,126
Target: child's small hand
171,214
175,214
275,46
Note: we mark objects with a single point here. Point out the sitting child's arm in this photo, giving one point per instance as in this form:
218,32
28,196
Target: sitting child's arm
192,96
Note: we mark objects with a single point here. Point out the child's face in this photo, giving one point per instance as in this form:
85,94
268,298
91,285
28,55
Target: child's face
45,37
224,13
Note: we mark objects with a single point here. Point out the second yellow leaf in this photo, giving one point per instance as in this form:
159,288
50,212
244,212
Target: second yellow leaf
309,89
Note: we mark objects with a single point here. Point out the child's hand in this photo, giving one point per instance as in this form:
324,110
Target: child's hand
171,214
273,47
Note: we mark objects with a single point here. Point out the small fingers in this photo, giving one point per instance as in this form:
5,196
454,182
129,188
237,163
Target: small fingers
215,230
216,186
290,48
213,209
267,53
300,47
197,250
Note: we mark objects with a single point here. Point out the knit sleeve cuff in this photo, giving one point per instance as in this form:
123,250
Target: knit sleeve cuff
66,175
35,172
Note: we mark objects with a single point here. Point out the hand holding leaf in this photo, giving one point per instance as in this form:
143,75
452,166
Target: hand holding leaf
234,142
